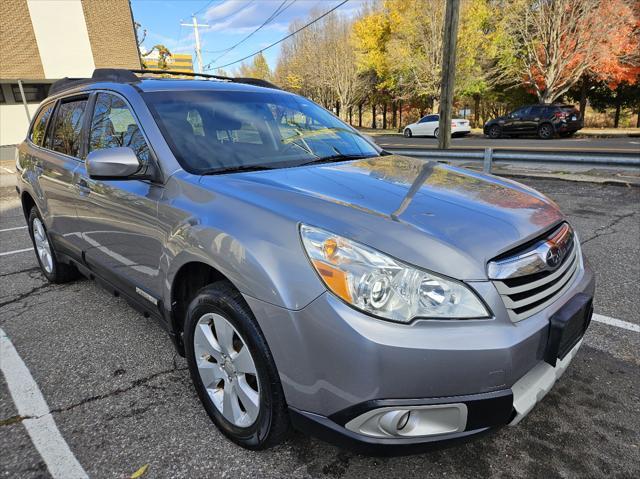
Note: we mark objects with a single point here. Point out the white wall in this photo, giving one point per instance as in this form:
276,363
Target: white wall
14,123
62,37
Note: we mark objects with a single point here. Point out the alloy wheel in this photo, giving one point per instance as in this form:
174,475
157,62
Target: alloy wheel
436,132
43,249
545,131
227,369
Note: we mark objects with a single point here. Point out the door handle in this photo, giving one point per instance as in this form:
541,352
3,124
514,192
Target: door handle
83,187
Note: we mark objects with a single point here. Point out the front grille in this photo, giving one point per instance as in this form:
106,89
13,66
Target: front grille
526,295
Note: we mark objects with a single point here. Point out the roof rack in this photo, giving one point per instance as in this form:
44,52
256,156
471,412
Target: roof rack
119,75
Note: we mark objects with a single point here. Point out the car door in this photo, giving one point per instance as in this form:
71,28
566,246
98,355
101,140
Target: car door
433,121
55,164
420,128
515,121
533,118
122,237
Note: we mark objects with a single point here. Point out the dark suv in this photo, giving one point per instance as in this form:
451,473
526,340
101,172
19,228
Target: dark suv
542,120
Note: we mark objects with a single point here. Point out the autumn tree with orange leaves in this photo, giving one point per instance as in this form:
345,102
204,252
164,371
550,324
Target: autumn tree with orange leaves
551,44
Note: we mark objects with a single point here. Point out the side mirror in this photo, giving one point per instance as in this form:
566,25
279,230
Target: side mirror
112,164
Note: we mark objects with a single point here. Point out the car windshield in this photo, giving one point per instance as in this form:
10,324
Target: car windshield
223,131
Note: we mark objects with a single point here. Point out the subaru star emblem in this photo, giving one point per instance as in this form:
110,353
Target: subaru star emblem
553,257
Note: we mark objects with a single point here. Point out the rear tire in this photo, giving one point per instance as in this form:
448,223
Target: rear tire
436,132
408,133
261,423
494,132
545,131
54,270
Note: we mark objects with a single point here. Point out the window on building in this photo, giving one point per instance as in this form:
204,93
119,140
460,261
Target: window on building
33,92
67,127
2,100
114,125
40,124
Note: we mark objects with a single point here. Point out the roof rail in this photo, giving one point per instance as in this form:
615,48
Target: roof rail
249,81
119,75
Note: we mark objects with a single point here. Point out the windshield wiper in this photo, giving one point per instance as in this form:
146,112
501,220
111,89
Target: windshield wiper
334,158
236,169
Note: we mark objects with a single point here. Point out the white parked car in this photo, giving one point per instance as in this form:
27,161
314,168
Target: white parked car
428,126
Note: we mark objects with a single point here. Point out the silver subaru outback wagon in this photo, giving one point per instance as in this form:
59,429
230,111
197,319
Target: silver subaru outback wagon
384,303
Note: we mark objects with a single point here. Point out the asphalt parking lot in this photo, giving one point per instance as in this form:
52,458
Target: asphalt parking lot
122,398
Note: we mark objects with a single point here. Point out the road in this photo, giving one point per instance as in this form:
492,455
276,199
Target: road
627,145
122,399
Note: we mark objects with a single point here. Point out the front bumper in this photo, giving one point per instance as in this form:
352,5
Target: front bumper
333,359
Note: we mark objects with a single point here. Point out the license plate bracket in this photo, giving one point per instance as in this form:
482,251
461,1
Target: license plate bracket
567,326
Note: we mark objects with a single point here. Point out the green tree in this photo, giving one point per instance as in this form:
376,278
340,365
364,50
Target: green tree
625,95
258,68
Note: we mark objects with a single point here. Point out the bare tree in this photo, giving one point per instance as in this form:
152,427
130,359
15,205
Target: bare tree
319,62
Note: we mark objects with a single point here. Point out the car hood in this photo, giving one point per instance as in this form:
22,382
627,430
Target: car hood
438,217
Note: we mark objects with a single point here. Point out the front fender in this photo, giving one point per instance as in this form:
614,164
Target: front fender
258,251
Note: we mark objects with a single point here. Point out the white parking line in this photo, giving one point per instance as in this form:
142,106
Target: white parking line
13,229
618,323
38,420
16,251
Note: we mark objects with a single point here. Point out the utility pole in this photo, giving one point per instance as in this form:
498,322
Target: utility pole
195,26
447,82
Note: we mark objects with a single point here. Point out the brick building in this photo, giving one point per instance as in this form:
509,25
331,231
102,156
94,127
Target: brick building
42,41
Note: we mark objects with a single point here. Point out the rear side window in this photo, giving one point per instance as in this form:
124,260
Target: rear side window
113,125
40,124
67,127
539,111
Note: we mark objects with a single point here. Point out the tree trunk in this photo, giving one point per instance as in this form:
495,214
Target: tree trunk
421,112
584,88
616,118
400,114
360,115
373,116
394,114
351,115
476,110
638,120
384,116
338,109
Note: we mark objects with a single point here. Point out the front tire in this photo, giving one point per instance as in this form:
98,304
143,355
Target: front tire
436,132
494,132
545,131
232,368
408,133
54,270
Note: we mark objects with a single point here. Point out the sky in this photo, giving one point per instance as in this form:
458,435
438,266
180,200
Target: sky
229,22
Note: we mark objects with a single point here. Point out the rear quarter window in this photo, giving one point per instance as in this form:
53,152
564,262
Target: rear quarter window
36,135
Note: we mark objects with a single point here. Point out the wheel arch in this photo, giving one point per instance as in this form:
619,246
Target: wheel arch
28,202
189,278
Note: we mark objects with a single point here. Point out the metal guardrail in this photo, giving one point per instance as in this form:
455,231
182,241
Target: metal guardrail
490,156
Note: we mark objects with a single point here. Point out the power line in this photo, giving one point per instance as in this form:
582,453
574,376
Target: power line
209,67
203,8
277,12
222,19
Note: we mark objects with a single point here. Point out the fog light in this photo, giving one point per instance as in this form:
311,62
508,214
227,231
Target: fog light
412,421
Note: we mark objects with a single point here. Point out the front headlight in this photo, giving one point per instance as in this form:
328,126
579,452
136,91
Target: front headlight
383,286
